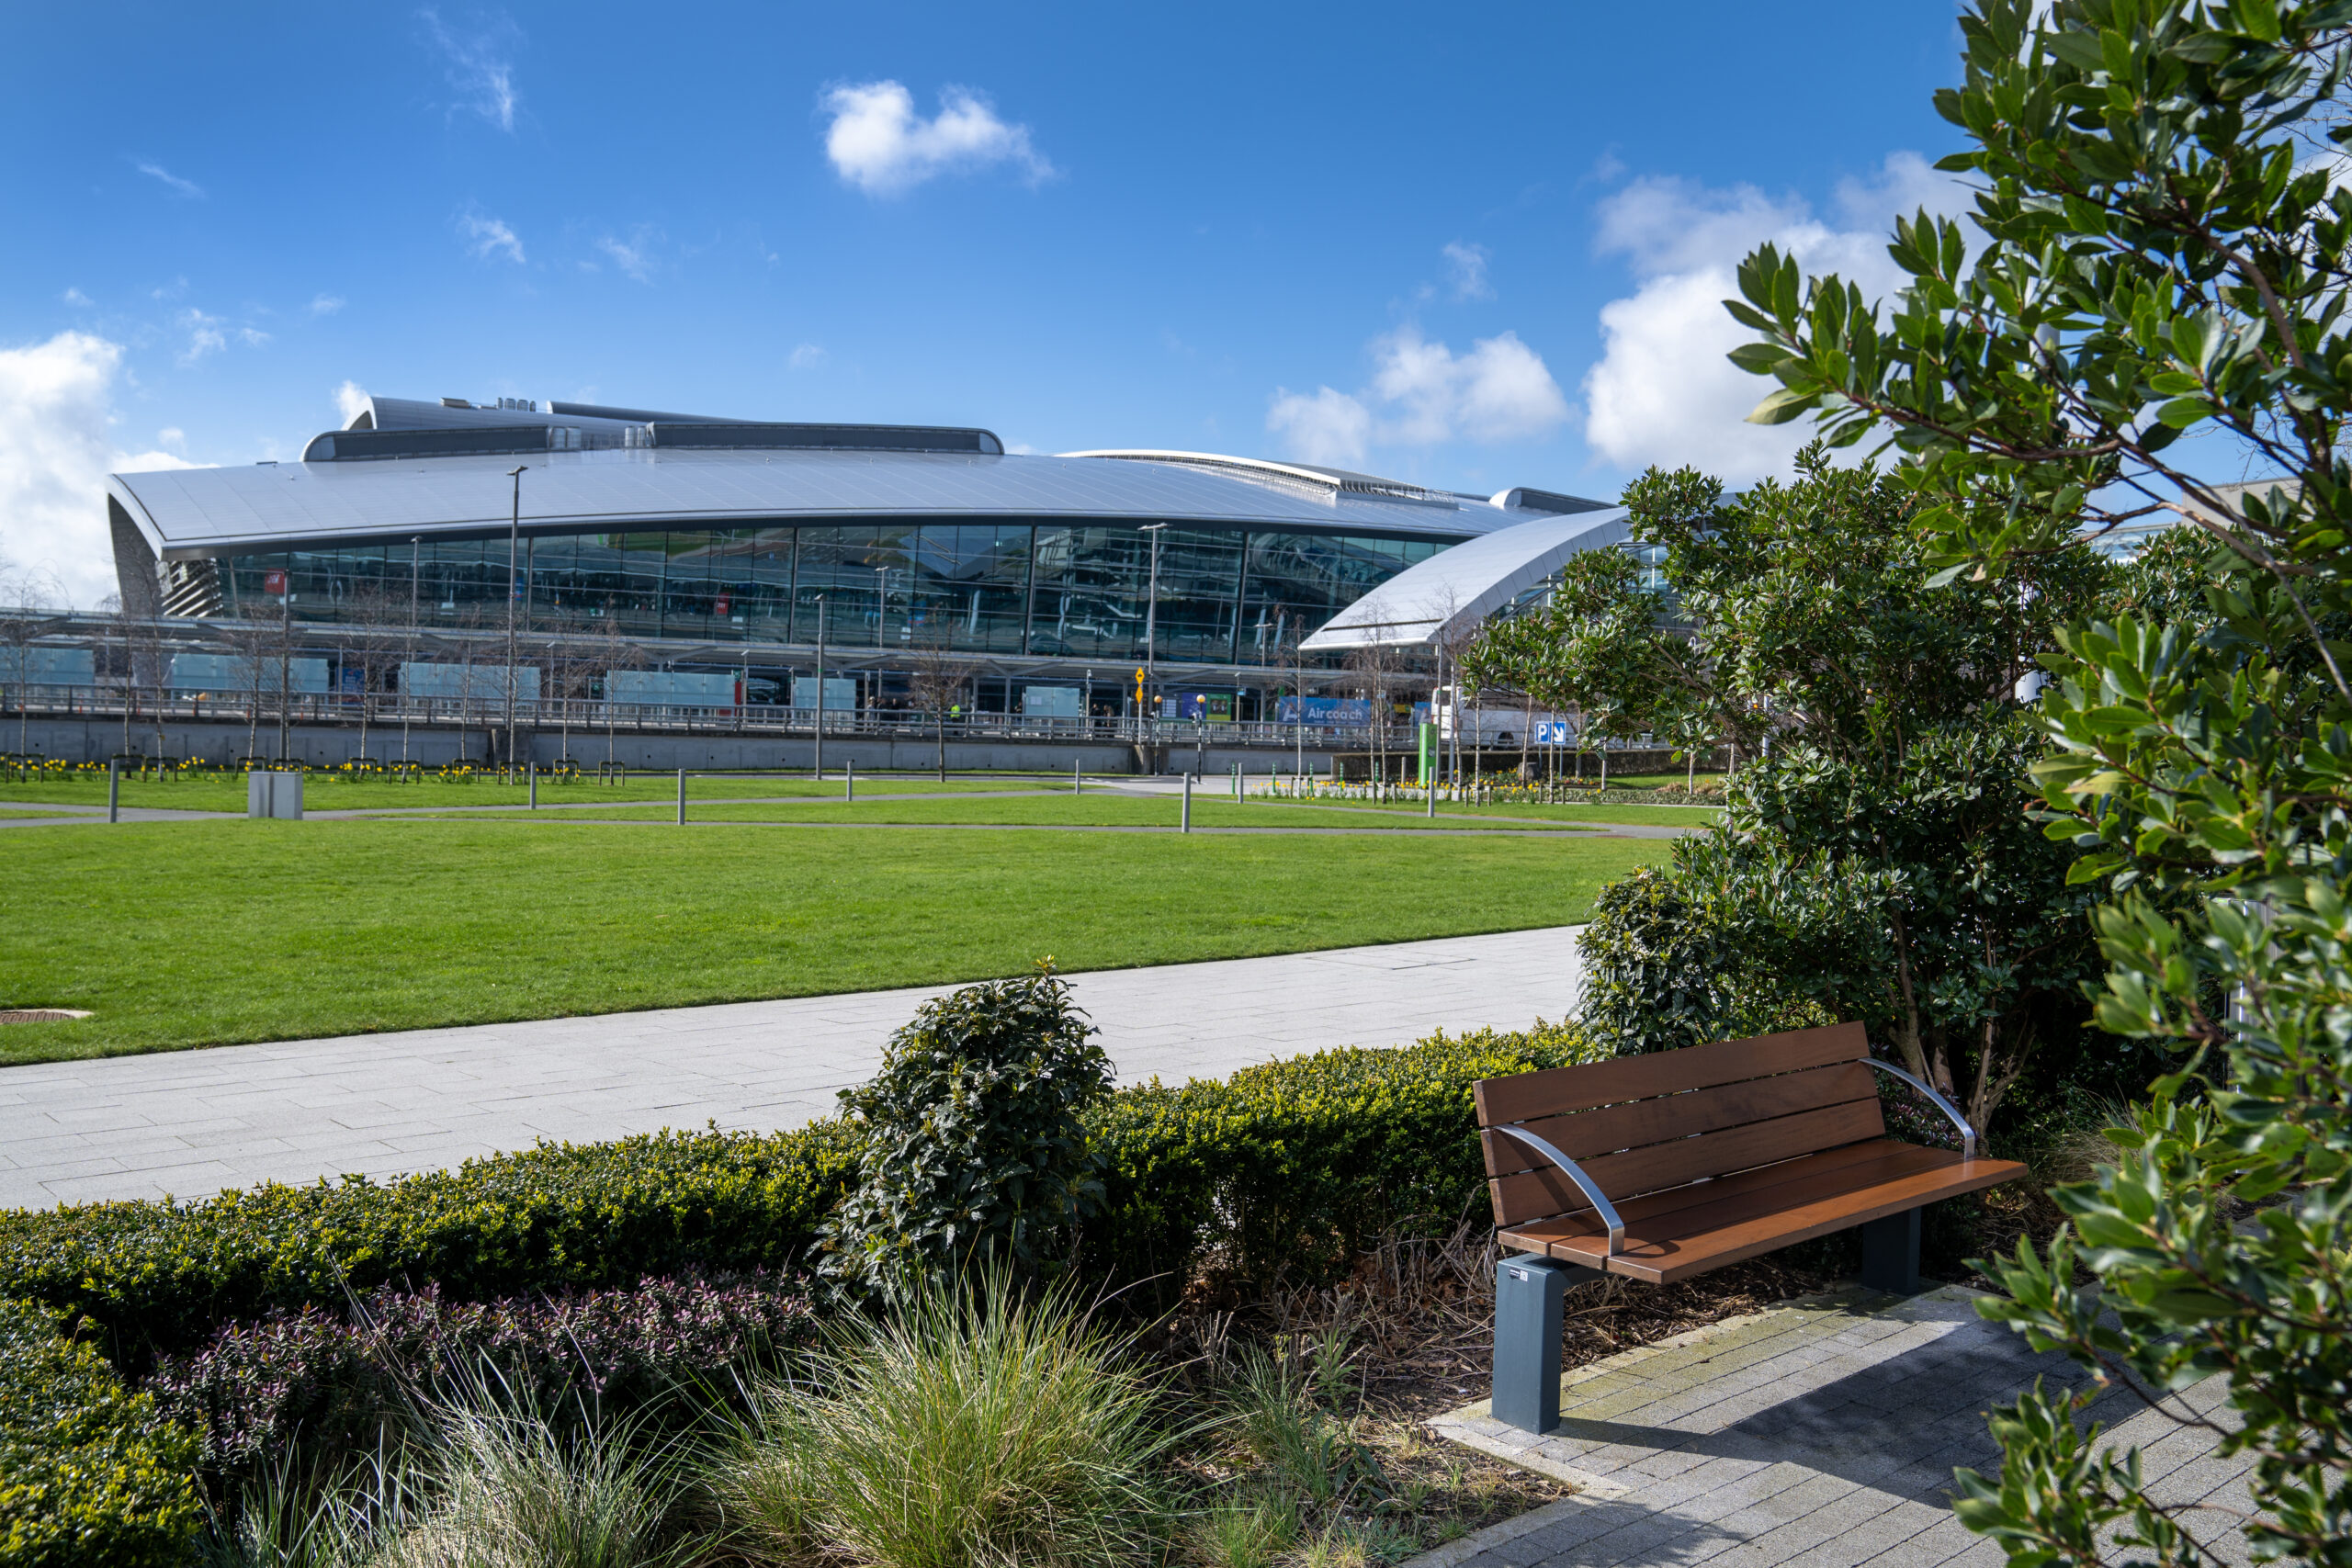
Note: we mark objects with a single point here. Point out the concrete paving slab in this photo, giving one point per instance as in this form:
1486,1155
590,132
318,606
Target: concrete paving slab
1821,1433
381,1104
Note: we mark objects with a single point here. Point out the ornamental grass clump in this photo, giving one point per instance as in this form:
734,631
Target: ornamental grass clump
973,1425
972,1140
517,1491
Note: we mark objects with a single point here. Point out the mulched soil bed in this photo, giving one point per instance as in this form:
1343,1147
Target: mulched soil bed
1414,1327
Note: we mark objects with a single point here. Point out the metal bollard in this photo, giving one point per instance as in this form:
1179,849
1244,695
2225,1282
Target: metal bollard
1076,778
114,789
849,781
681,797
531,771
1185,825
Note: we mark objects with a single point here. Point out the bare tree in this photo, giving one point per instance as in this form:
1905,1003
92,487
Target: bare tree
141,643
571,657
938,679
615,651
29,606
248,640
1376,667
1451,643
369,639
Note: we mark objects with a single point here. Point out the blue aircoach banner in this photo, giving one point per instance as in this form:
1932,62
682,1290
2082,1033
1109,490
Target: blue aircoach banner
1324,711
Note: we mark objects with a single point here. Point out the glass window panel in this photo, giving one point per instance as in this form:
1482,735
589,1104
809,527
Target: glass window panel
699,592
763,584
1089,601
1295,582
1198,567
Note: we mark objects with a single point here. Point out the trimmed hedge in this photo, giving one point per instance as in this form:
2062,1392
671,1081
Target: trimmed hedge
161,1276
1286,1169
1292,1168
91,1475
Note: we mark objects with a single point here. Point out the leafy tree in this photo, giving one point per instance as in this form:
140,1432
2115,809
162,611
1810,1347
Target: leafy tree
2156,294
1878,864
972,1142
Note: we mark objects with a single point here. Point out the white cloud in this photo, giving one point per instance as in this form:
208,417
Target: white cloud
807,356
878,143
179,186
56,449
76,298
633,256
1499,391
172,435
204,335
488,237
1423,393
478,65
350,401
1662,391
1329,427
1020,449
1467,265
326,304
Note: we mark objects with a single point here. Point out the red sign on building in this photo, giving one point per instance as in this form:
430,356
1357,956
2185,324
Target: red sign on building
273,582
721,607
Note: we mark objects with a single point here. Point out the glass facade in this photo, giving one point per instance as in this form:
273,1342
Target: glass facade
1042,590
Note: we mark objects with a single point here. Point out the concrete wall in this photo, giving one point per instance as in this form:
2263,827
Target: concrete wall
96,738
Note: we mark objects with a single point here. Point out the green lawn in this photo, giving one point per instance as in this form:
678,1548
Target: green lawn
214,793
191,933
1528,816
1093,809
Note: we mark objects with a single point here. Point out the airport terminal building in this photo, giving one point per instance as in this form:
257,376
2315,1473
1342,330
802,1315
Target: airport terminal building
713,545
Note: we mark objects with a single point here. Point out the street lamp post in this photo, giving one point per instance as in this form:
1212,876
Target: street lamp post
1151,611
415,556
514,598
821,688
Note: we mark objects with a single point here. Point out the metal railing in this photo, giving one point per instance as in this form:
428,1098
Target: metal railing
147,705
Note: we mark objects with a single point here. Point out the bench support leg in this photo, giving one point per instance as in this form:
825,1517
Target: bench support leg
1890,1254
1528,1292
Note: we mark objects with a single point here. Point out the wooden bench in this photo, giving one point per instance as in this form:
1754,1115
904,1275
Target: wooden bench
1662,1166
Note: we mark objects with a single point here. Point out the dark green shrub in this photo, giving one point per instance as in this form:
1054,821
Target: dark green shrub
971,1138
90,1473
340,1381
161,1276
1290,1170
1284,1170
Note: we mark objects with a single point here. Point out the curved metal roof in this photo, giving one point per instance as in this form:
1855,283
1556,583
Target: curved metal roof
1452,591
203,512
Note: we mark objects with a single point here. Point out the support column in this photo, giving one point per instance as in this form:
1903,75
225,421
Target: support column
1890,1254
1528,1293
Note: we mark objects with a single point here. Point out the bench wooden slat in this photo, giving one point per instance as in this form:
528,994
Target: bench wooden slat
1805,1198
1588,1133
1658,1209
1560,1090
1535,1194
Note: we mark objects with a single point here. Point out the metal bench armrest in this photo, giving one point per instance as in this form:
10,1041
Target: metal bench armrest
1967,1133
1585,1184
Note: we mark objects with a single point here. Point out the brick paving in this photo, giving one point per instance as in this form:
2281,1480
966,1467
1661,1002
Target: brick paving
1820,1433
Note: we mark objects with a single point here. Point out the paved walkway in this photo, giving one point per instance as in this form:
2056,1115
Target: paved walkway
1820,1433
190,1122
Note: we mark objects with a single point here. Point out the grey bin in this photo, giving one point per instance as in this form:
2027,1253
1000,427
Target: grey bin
274,795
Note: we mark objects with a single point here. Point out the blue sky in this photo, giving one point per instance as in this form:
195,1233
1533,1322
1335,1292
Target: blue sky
1471,246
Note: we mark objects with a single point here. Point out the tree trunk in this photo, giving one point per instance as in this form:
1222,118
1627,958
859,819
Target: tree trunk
1915,1055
